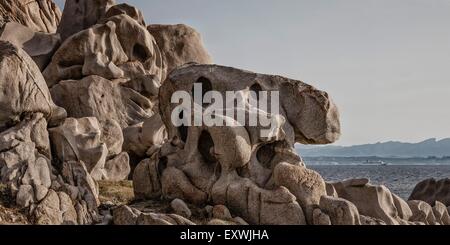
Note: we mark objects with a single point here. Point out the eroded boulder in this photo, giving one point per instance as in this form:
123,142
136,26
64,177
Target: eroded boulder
432,190
38,15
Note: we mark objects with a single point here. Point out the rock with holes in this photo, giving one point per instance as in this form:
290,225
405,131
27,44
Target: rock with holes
39,45
80,140
38,15
340,211
432,190
372,201
441,213
179,45
422,212
252,169
23,89
79,15
118,48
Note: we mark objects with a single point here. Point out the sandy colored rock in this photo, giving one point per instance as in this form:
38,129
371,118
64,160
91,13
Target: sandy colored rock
372,201
38,15
118,168
320,218
119,48
221,212
79,140
79,15
146,179
340,211
441,213
181,208
179,45
38,45
127,9
422,212
112,136
404,212
23,89
306,185
432,190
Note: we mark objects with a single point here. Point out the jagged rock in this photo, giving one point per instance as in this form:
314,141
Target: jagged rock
181,208
179,45
320,218
118,168
422,212
145,138
129,10
432,190
25,196
40,46
340,211
124,215
441,213
306,185
38,15
120,48
79,140
24,90
48,211
79,15
404,212
372,201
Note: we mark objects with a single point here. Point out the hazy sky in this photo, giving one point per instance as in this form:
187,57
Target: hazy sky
386,63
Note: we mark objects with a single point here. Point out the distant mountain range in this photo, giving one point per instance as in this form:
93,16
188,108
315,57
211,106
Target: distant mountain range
428,148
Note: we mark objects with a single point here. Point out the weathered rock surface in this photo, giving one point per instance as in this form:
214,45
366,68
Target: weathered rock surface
372,201
23,89
119,48
40,46
181,208
340,211
38,15
441,213
432,190
129,216
179,45
79,15
422,212
81,140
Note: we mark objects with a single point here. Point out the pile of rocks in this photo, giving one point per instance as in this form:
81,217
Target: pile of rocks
86,96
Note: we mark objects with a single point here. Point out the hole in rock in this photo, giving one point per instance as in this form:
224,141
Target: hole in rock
206,87
183,130
205,146
266,154
140,53
256,88
162,165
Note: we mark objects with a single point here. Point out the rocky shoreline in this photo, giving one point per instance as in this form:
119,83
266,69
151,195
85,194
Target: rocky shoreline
86,135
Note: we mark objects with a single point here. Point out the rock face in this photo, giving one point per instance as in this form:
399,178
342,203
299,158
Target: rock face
81,140
24,90
373,201
264,181
422,212
432,190
339,211
179,45
79,15
38,15
40,46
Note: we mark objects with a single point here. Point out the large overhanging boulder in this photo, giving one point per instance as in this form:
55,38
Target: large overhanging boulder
38,15
260,178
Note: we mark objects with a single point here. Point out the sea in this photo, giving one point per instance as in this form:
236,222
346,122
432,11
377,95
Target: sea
400,177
